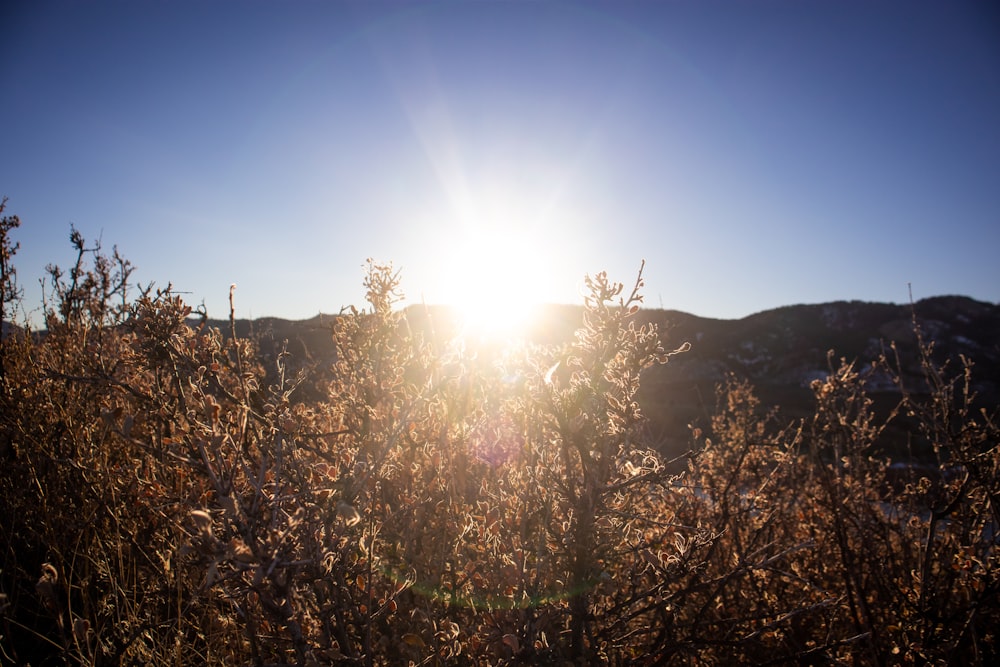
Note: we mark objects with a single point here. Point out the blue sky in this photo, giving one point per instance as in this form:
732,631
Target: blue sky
754,154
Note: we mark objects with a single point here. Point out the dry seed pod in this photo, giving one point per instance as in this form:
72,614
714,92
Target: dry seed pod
81,630
46,588
203,522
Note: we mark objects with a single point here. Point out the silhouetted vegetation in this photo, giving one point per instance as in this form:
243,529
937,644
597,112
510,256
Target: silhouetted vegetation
170,496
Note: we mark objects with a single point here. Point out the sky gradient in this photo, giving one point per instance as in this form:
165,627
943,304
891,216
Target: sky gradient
754,154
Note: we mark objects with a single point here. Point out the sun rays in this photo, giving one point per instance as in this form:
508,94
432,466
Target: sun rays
491,280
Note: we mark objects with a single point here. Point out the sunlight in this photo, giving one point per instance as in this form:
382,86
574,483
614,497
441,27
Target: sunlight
492,279
502,236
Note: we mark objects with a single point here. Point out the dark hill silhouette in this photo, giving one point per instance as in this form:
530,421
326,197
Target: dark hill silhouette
780,351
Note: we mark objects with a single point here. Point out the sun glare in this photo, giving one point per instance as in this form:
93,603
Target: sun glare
492,260
492,280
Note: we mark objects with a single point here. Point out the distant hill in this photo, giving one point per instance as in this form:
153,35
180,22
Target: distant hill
780,351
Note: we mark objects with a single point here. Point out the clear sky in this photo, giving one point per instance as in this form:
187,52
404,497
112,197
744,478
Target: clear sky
755,154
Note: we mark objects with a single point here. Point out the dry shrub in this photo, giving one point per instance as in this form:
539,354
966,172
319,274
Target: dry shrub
826,551
169,499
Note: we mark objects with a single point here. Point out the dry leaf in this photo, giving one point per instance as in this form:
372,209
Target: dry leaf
413,639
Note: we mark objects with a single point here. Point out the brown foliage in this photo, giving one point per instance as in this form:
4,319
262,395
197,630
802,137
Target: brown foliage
167,499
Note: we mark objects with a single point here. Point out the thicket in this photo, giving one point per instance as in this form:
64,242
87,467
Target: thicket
166,498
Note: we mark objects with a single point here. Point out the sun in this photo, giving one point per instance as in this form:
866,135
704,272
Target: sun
492,277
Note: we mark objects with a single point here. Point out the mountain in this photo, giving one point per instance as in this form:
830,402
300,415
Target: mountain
779,351
782,351
9,329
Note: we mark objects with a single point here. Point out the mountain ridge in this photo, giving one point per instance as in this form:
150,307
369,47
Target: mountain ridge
780,351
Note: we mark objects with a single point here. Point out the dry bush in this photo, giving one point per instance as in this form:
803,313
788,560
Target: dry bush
825,551
166,498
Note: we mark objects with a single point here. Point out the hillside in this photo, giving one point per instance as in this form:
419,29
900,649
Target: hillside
780,351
